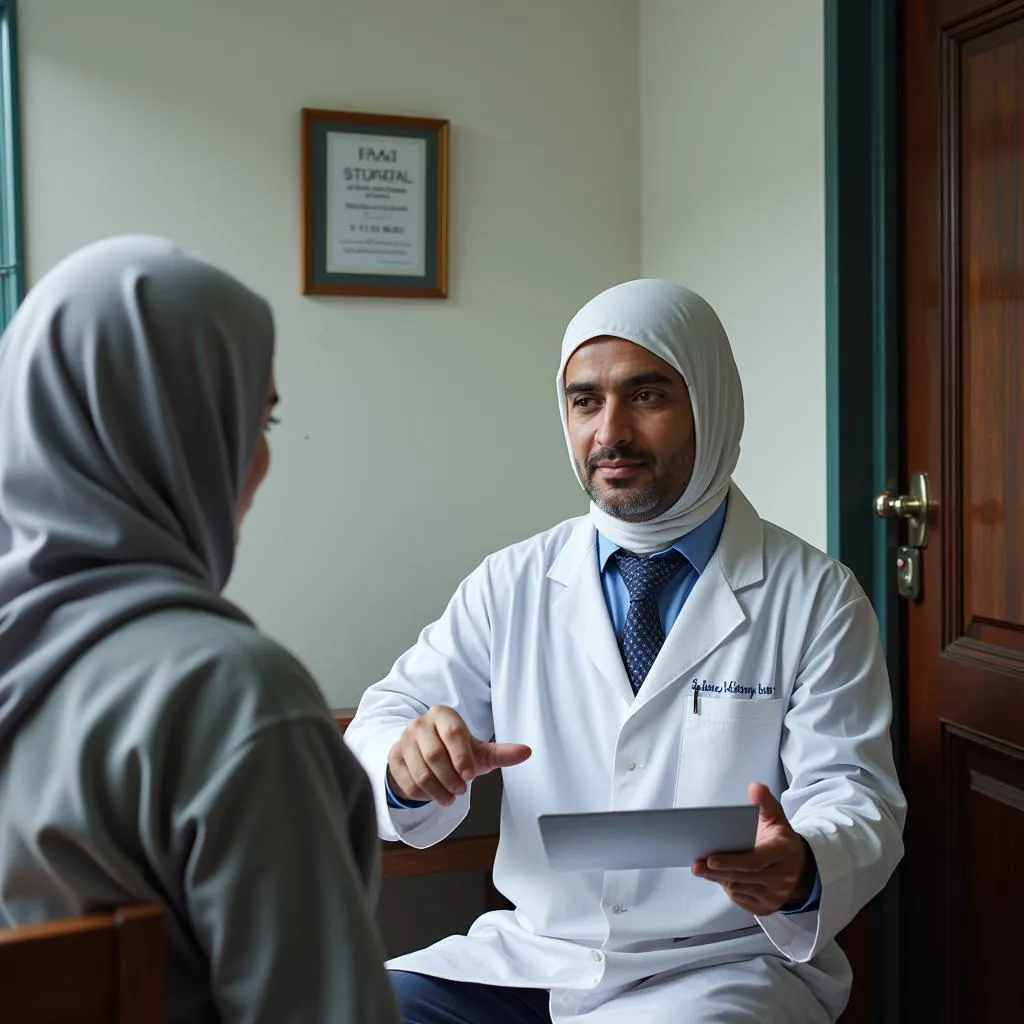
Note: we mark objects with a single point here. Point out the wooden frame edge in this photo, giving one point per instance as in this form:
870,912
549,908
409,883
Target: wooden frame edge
442,126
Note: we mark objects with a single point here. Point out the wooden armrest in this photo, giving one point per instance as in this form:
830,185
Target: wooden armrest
459,854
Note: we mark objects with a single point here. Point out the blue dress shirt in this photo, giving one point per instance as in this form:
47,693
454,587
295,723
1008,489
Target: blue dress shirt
696,547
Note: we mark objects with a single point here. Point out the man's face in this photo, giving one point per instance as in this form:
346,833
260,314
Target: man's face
630,428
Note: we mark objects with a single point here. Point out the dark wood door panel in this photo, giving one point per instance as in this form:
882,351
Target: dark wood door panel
990,155
963,277
985,828
982,699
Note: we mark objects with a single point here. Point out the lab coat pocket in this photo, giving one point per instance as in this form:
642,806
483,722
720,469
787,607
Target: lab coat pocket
727,744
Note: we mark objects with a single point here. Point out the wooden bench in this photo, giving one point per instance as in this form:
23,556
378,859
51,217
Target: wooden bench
99,969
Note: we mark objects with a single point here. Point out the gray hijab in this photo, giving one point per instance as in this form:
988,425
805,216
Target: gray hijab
133,381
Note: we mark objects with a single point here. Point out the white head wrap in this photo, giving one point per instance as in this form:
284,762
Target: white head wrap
677,325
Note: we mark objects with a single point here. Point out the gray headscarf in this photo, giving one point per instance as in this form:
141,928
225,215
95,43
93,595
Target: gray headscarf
133,382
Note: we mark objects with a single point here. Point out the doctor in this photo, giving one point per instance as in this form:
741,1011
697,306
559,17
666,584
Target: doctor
670,648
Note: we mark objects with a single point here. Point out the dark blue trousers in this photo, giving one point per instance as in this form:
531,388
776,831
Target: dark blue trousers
427,1000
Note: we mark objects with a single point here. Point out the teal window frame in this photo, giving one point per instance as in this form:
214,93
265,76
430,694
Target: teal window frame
12,238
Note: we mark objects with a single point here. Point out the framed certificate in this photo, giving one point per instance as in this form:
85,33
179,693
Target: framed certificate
375,205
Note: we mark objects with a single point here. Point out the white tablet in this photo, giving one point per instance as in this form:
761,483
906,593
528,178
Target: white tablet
670,838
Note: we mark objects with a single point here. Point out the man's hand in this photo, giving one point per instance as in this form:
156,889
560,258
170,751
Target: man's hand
780,869
435,757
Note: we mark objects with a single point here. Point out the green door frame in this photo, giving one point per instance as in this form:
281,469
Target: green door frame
12,236
862,360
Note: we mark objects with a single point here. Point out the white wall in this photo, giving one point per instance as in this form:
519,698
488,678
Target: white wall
417,435
732,129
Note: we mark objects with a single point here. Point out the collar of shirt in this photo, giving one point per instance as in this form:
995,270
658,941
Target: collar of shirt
696,547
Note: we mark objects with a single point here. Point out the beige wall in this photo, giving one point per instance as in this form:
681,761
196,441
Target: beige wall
592,140
733,172
417,435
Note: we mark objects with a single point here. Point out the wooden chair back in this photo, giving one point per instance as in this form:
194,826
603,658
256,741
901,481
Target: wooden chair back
95,969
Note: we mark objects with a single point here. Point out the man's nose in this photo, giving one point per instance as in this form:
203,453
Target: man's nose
615,425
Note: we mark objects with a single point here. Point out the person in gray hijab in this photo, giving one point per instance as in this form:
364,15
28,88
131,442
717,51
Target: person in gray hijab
154,745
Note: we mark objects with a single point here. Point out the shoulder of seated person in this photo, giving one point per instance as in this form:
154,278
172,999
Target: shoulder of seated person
184,663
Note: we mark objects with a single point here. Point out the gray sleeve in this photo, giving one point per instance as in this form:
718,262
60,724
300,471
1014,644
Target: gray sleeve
278,878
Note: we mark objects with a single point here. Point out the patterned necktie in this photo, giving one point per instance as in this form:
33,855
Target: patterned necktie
642,635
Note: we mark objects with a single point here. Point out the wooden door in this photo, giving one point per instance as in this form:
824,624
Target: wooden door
963,300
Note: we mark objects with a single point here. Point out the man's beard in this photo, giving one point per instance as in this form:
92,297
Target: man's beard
621,499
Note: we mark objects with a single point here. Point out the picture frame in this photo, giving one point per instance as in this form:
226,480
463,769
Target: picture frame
375,204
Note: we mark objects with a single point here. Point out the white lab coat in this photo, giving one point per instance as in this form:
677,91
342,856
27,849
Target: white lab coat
525,652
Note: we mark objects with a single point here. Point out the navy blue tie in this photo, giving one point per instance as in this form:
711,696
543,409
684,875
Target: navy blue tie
642,635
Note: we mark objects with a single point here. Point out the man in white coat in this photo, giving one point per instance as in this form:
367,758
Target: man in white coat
669,649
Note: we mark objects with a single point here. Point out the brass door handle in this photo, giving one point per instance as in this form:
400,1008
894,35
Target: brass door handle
902,506
914,507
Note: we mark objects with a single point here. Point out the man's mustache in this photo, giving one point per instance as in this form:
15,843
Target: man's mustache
623,452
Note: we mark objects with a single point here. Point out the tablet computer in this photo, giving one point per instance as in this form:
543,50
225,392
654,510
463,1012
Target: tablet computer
671,838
